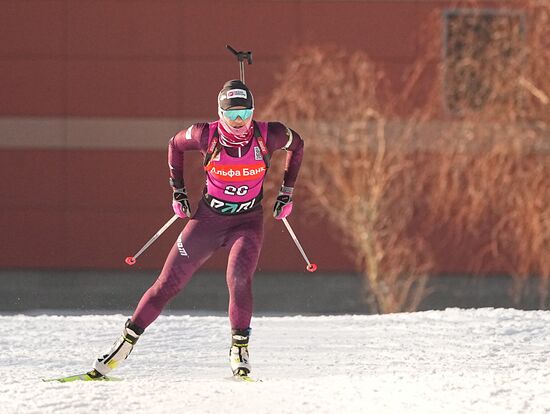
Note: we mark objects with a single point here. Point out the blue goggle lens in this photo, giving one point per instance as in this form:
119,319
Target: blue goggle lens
233,114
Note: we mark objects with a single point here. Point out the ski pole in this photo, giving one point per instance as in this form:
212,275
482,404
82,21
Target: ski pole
241,57
311,267
131,260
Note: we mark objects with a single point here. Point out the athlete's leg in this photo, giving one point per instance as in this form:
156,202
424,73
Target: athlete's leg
245,247
199,239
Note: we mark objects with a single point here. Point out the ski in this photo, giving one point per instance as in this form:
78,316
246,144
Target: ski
245,378
242,376
88,376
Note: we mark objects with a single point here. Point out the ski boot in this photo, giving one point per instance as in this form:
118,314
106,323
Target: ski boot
238,354
119,351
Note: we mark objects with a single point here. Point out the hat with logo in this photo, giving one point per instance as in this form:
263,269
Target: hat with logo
235,93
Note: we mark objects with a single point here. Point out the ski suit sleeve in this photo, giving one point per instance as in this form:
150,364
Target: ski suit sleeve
279,136
194,138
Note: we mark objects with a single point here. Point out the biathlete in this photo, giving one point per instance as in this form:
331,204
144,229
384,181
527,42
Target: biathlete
237,151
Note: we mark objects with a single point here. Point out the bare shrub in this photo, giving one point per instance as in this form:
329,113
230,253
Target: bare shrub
497,142
461,187
358,169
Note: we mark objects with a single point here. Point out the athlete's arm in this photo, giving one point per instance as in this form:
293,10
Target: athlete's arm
279,136
194,138
191,139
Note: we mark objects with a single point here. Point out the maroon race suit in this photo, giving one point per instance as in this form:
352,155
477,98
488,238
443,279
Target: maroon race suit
209,229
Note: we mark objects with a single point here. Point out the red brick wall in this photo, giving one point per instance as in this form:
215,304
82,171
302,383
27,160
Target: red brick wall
78,206
148,58
92,208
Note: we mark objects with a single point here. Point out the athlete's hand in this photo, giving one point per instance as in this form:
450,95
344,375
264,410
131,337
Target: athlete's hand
283,203
180,203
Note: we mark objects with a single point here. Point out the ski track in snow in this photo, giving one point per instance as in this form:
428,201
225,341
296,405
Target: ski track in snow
452,361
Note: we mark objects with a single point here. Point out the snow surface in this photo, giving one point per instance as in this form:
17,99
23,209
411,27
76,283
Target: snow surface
452,361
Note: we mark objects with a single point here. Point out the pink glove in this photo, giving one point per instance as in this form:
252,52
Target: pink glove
283,203
180,203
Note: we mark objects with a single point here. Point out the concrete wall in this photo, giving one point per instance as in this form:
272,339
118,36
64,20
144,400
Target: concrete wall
274,294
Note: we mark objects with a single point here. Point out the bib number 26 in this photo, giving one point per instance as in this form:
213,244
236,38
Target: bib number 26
232,190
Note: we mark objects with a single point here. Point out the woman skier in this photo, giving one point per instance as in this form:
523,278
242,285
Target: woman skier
236,150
